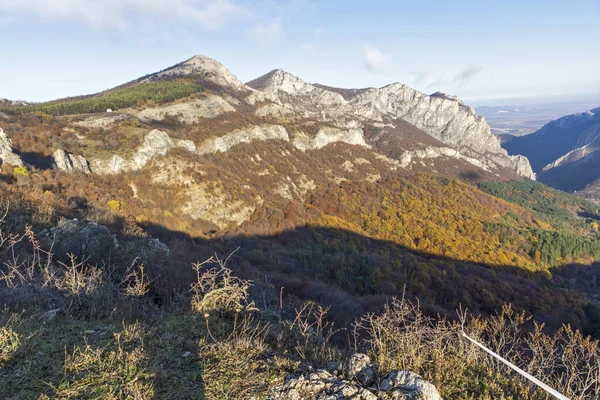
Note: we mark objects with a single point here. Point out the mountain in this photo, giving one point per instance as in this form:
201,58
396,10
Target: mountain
315,207
564,151
366,190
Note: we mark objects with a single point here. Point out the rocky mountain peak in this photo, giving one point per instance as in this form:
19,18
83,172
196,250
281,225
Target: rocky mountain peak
280,80
206,67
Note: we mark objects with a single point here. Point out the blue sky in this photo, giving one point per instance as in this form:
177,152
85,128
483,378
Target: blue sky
475,49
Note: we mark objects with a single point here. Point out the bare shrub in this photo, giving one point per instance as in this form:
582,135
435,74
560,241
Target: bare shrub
403,338
310,334
134,282
218,290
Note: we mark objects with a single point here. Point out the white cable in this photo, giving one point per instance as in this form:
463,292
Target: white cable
519,370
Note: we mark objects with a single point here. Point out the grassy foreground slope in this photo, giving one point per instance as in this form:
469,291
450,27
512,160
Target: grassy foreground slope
108,339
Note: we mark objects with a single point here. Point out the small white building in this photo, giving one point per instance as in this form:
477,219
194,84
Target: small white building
109,110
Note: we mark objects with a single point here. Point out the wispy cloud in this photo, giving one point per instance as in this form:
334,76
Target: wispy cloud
432,80
122,14
375,60
267,32
467,75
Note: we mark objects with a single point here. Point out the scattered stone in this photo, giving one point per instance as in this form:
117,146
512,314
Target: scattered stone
360,383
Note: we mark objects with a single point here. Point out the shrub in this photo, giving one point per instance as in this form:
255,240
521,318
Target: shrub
20,171
114,204
217,290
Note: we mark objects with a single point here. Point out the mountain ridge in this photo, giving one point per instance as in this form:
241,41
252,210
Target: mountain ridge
281,98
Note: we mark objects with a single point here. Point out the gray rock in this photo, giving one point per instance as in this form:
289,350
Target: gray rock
443,117
116,164
323,385
357,363
411,385
70,163
86,240
6,151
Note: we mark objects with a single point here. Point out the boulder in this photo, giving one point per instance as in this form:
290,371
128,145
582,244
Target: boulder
410,384
85,240
70,163
6,151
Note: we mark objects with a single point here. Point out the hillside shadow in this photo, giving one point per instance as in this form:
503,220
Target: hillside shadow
354,274
37,160
341,269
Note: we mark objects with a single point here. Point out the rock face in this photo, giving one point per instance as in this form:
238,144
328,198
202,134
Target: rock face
156,143
70,163
248,135
358,381
6,151
443,117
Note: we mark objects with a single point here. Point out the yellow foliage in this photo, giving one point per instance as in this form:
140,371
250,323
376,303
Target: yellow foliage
114,204
20,171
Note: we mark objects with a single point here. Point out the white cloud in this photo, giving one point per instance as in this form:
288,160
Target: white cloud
122,14
467,75
267,32
375,60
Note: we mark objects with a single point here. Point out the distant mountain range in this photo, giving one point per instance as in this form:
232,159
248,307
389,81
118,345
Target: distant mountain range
564,152
510,120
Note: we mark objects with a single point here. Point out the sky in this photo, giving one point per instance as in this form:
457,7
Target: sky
479,50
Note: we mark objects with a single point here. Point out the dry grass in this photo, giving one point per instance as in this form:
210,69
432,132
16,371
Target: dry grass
9,340
403,338
118,370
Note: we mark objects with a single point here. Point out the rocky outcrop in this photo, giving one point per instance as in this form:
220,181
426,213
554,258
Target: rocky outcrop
85,240
248,135
156,143
588,143
70,163
327,135
95,244
358,380
114,165
408,158
6,151
443,117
